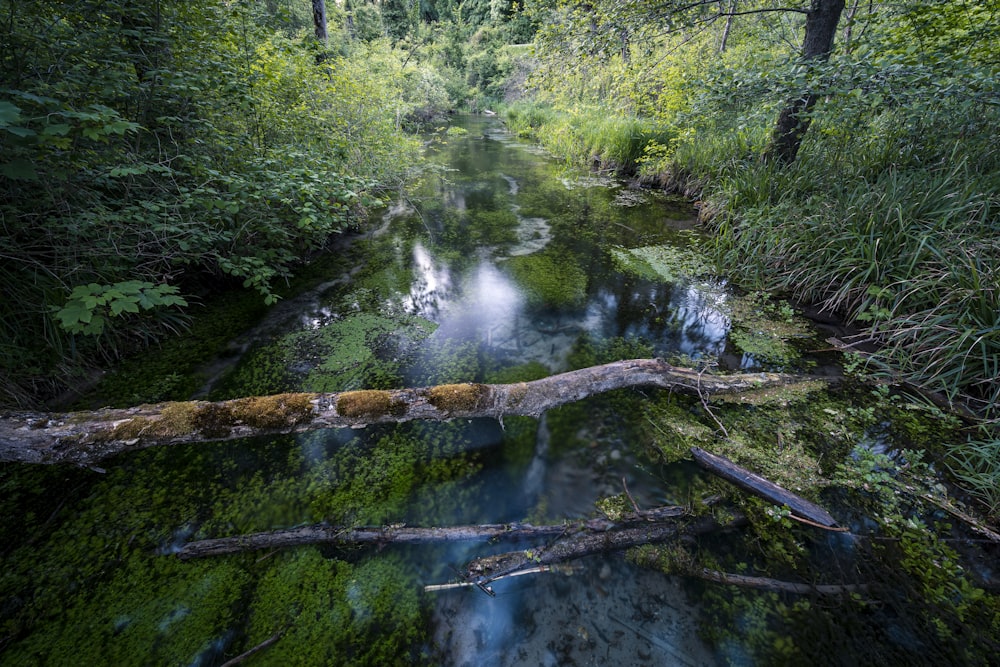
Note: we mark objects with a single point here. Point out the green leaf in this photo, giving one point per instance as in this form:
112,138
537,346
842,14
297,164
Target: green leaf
20,131
9,113
56,129
19,169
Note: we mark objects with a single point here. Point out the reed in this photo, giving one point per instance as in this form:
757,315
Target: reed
589,136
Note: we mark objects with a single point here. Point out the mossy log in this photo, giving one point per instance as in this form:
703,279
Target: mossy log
588,542
84,438
346,536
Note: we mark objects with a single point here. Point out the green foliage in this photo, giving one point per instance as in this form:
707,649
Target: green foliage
169,163
975,464
590,136
89,306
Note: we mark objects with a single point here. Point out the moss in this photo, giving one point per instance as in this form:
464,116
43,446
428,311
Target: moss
174,419
666,263
551,278
369,403
779,395
458,397
273,411
614,507
216,419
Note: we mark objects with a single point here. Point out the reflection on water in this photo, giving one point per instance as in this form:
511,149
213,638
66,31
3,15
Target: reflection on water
500,203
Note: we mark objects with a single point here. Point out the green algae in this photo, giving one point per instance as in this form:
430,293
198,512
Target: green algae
666,263
355,351
549,278
766,329
331,612
148,610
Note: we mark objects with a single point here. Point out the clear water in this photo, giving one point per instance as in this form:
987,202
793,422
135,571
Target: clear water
446,254
501,262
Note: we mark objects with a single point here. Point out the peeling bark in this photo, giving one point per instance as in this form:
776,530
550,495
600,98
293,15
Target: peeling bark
83,438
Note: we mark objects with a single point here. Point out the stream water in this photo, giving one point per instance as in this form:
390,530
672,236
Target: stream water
502,262
502,266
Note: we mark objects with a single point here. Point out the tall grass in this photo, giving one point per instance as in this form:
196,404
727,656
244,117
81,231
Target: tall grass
589,136
913,255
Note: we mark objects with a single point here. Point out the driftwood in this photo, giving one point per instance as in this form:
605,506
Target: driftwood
759,486
86,437
400,534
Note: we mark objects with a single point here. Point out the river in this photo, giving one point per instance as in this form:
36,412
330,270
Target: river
501,266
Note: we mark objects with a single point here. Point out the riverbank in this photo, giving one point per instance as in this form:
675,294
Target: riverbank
907,253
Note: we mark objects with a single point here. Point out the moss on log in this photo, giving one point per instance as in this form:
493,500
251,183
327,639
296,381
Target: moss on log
83,438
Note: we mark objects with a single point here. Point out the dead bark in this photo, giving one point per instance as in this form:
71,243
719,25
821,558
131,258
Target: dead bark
759,486
585,543
84,438
777,585
381,536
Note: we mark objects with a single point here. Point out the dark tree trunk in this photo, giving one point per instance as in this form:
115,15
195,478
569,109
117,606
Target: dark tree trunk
793,121
319,21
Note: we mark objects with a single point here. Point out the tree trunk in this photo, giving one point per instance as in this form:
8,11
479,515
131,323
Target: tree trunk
728,27
793,121
83,438
319,22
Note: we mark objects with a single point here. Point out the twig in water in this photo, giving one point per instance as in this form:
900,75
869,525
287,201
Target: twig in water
711,414
489,590
638,512
259,647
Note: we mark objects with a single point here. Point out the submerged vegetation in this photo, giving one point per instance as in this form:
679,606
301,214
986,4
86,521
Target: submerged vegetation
172,167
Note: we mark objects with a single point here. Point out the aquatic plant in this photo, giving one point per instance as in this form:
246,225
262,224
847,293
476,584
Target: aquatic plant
550,278
330,612
667,263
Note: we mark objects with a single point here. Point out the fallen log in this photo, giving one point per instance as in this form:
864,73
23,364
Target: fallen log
401,534
490,568
84,438
757,485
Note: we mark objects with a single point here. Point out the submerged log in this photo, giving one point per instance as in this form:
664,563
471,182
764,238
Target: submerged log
777,585
84,438
401,534
490,568
754,483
